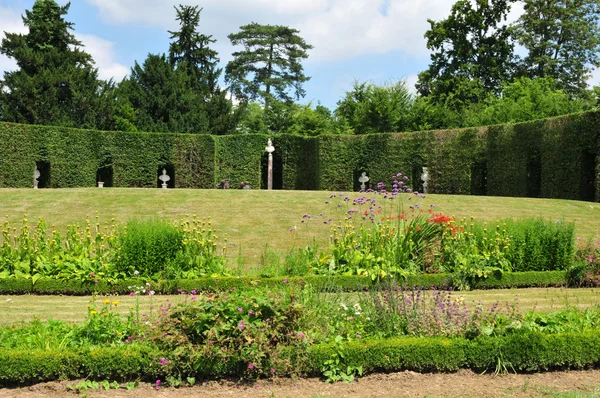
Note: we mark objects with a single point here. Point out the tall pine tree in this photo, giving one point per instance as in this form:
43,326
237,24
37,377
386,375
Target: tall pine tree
56,83
269,65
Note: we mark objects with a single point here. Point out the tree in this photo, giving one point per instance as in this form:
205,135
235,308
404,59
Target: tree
472,53
530,99
369,108
178,93
162,99
56,83
269,65
562,39
190,49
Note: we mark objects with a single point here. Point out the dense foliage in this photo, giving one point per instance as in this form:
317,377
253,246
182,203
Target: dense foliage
475,77
289,331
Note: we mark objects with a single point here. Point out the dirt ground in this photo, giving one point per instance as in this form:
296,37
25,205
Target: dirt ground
405,384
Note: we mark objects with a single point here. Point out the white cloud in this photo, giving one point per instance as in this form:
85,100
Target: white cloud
10,22
338,29
410,83
103,53
101,50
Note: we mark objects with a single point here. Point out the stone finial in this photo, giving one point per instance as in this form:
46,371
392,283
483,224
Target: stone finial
164,178
270,148
363,179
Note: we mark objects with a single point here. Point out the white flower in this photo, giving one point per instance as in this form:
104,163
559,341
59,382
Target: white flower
136,272
151,292
344,307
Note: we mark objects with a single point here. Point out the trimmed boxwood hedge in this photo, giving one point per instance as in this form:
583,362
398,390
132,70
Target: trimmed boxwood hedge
551,158
48,286
524,351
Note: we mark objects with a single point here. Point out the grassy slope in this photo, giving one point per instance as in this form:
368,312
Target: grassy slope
254,219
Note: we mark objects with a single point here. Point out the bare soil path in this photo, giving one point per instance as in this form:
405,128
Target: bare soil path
405,384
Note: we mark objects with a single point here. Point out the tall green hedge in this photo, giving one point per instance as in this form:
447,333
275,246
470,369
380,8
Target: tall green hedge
552,158
238,158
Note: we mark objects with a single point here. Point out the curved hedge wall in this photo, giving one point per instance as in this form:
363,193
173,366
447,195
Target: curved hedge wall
552,158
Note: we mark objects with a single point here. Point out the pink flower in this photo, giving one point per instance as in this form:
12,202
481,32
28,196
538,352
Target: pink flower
92,274
251,366
96,281
272,371
132,294
240,309
193,292
158,384
242,325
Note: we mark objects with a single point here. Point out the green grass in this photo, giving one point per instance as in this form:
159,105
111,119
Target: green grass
255,219
14,309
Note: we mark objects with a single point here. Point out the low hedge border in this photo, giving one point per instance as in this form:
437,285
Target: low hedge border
525,352
49,286
103,363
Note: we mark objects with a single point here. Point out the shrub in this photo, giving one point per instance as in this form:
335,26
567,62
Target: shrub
540,245
146,246
586,268
249,330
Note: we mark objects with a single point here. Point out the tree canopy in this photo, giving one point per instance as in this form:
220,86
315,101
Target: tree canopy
562,39
56,83
472,53
269,66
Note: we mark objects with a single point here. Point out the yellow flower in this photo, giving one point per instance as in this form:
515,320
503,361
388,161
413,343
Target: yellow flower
93,312
106,301
115,303
105,314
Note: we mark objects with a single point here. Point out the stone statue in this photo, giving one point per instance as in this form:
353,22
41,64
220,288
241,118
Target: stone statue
36,177
363,179
270,149
425,179
164,178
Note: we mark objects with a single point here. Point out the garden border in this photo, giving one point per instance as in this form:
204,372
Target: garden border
526,352
48,286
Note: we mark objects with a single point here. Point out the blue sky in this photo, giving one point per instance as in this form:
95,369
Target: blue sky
375,40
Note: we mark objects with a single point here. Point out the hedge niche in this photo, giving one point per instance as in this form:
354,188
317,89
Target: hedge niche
551,158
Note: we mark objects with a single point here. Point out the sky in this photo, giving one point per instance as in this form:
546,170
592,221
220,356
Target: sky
366,40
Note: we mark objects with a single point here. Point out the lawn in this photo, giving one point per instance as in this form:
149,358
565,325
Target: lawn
256,220
14,309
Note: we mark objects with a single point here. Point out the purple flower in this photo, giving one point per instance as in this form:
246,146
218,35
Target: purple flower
193,292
